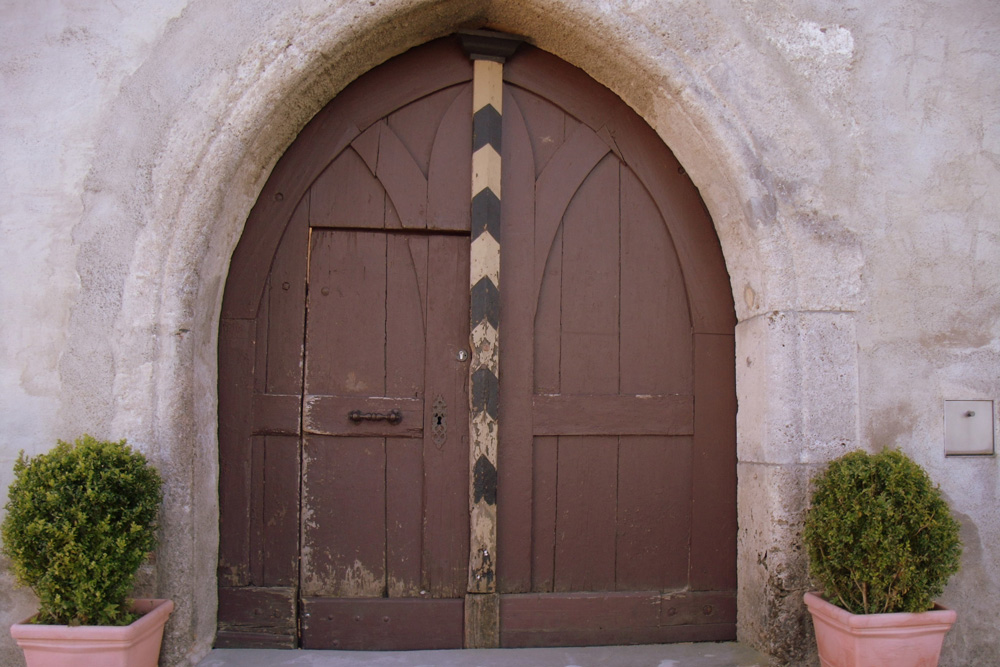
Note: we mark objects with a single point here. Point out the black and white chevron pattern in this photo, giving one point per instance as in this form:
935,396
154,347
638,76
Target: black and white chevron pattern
487,89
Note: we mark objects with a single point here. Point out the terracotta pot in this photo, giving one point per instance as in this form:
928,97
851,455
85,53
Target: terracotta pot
135,645
875,640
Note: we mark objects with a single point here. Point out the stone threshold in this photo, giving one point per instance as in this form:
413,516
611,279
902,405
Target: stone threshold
727,654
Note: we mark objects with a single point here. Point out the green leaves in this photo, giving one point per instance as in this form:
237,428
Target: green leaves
879,535
80,521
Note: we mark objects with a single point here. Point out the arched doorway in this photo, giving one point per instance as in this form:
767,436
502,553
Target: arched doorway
348,293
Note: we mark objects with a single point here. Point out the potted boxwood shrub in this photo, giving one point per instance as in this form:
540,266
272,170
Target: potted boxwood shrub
80,521
883,543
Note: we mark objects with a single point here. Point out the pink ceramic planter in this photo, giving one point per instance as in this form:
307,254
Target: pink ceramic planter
878,640
135,645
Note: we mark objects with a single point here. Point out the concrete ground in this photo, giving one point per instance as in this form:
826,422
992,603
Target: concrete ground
728,654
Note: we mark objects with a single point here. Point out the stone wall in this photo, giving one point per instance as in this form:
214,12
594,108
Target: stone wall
848,154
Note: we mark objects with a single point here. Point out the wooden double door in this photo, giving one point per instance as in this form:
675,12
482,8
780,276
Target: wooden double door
344,379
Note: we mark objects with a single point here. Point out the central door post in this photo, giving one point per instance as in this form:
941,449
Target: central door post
488,50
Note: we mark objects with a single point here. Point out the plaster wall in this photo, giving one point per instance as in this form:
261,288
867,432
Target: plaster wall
848,153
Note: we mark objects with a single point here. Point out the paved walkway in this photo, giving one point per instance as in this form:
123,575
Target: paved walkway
669,655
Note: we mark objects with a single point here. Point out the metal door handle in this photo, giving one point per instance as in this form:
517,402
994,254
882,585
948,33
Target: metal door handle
393,416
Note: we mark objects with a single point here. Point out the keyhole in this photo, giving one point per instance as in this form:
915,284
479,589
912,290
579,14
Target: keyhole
439,425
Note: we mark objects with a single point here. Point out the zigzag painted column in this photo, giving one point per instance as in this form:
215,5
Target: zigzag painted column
485,321
482,606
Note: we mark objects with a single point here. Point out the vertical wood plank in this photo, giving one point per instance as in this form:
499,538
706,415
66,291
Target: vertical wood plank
656,358
446,471
255,446
514,458
557,186
585,519
404,315
543,514
404,182
588,466
484,283
279,530
263,322
713,503
404,377
590,285
346,314
280,510
656,327
343,543
286,302
404,516
257,510
482,629
548,321
236,364
343,515
654,487
642,537
450,171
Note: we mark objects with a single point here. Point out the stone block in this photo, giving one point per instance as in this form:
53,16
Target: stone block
797,387
772,568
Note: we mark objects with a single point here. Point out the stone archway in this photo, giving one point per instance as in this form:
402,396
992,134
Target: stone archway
173,193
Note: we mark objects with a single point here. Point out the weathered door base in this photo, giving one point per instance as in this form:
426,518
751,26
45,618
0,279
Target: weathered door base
482,620
582,619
